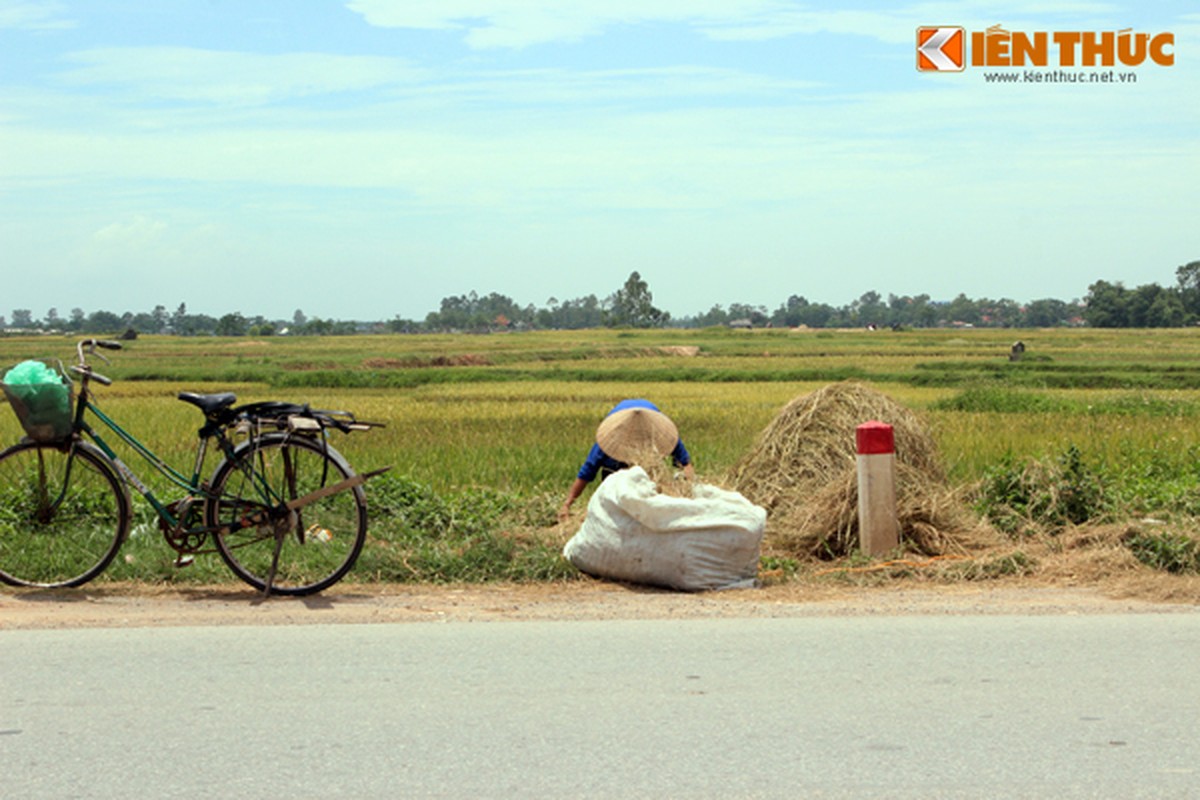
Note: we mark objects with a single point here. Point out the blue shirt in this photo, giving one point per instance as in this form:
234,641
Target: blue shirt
598,462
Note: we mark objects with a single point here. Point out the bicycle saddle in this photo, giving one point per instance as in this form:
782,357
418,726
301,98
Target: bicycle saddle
209,403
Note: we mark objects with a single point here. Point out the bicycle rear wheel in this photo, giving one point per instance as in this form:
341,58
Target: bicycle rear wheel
317,544
63,514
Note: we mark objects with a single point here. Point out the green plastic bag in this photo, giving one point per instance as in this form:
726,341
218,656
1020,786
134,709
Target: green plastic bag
31,373
41,399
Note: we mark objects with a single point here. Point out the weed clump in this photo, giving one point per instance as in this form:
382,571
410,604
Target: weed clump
1169,551
1042,496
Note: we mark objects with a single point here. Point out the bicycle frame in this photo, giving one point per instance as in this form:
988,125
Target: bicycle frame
193,485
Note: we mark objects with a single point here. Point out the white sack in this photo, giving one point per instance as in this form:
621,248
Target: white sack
633,533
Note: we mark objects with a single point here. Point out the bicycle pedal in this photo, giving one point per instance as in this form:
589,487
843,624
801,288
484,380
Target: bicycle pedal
184,561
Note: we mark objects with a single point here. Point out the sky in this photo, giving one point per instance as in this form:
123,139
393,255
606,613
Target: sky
365,159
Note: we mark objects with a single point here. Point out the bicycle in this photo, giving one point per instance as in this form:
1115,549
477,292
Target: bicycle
285,510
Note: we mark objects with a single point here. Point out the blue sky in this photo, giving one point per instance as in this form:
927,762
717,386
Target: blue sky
364,159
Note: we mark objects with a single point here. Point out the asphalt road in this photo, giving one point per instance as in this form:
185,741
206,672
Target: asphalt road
896,707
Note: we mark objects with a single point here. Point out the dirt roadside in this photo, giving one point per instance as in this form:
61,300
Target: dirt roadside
116,605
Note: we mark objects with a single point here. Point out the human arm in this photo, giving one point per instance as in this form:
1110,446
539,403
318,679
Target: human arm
572,495
683,459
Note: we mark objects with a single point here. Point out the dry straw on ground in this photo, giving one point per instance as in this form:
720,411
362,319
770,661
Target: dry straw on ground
802,470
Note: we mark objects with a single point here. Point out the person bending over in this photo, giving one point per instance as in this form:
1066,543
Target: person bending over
632,428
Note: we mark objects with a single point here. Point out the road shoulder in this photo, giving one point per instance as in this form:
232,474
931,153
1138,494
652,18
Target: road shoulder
115,605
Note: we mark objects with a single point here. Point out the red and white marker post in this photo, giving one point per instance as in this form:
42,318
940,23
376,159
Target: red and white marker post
878,523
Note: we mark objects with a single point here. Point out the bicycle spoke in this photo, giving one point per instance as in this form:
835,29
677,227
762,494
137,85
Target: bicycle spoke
292,550
63,515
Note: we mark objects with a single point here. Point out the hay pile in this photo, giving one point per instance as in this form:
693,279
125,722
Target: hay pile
803,470
669,480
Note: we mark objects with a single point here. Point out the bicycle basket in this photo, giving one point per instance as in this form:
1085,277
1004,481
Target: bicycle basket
41,395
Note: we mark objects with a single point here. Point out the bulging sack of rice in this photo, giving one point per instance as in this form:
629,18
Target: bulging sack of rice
632,532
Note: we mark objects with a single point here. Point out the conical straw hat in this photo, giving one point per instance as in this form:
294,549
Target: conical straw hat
631,431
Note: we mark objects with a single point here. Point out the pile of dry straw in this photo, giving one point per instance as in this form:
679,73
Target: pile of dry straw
802,470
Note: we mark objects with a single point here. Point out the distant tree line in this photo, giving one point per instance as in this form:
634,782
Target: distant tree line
1111,305
178,322
1106,305
631,306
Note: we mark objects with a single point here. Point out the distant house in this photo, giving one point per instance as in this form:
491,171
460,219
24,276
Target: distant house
743,324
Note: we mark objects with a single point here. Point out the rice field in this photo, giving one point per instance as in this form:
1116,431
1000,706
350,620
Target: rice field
514,414
517,411
515,424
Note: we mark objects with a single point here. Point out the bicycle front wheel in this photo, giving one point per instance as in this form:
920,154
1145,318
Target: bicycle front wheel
63,514
302,551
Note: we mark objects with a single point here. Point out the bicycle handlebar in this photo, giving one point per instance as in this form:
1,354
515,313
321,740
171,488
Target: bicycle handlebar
90,346
87,372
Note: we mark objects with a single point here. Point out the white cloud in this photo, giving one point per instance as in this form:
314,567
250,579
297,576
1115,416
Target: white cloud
683,160
142,248
564,90
231,78
139,231
896,24
29,15
520,23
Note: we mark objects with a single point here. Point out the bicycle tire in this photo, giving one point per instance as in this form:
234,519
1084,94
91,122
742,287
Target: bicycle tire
54,536
319,545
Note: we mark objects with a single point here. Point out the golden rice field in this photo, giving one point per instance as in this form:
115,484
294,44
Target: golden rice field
515,413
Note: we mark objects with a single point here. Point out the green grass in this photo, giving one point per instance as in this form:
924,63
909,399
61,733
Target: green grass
1170,551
